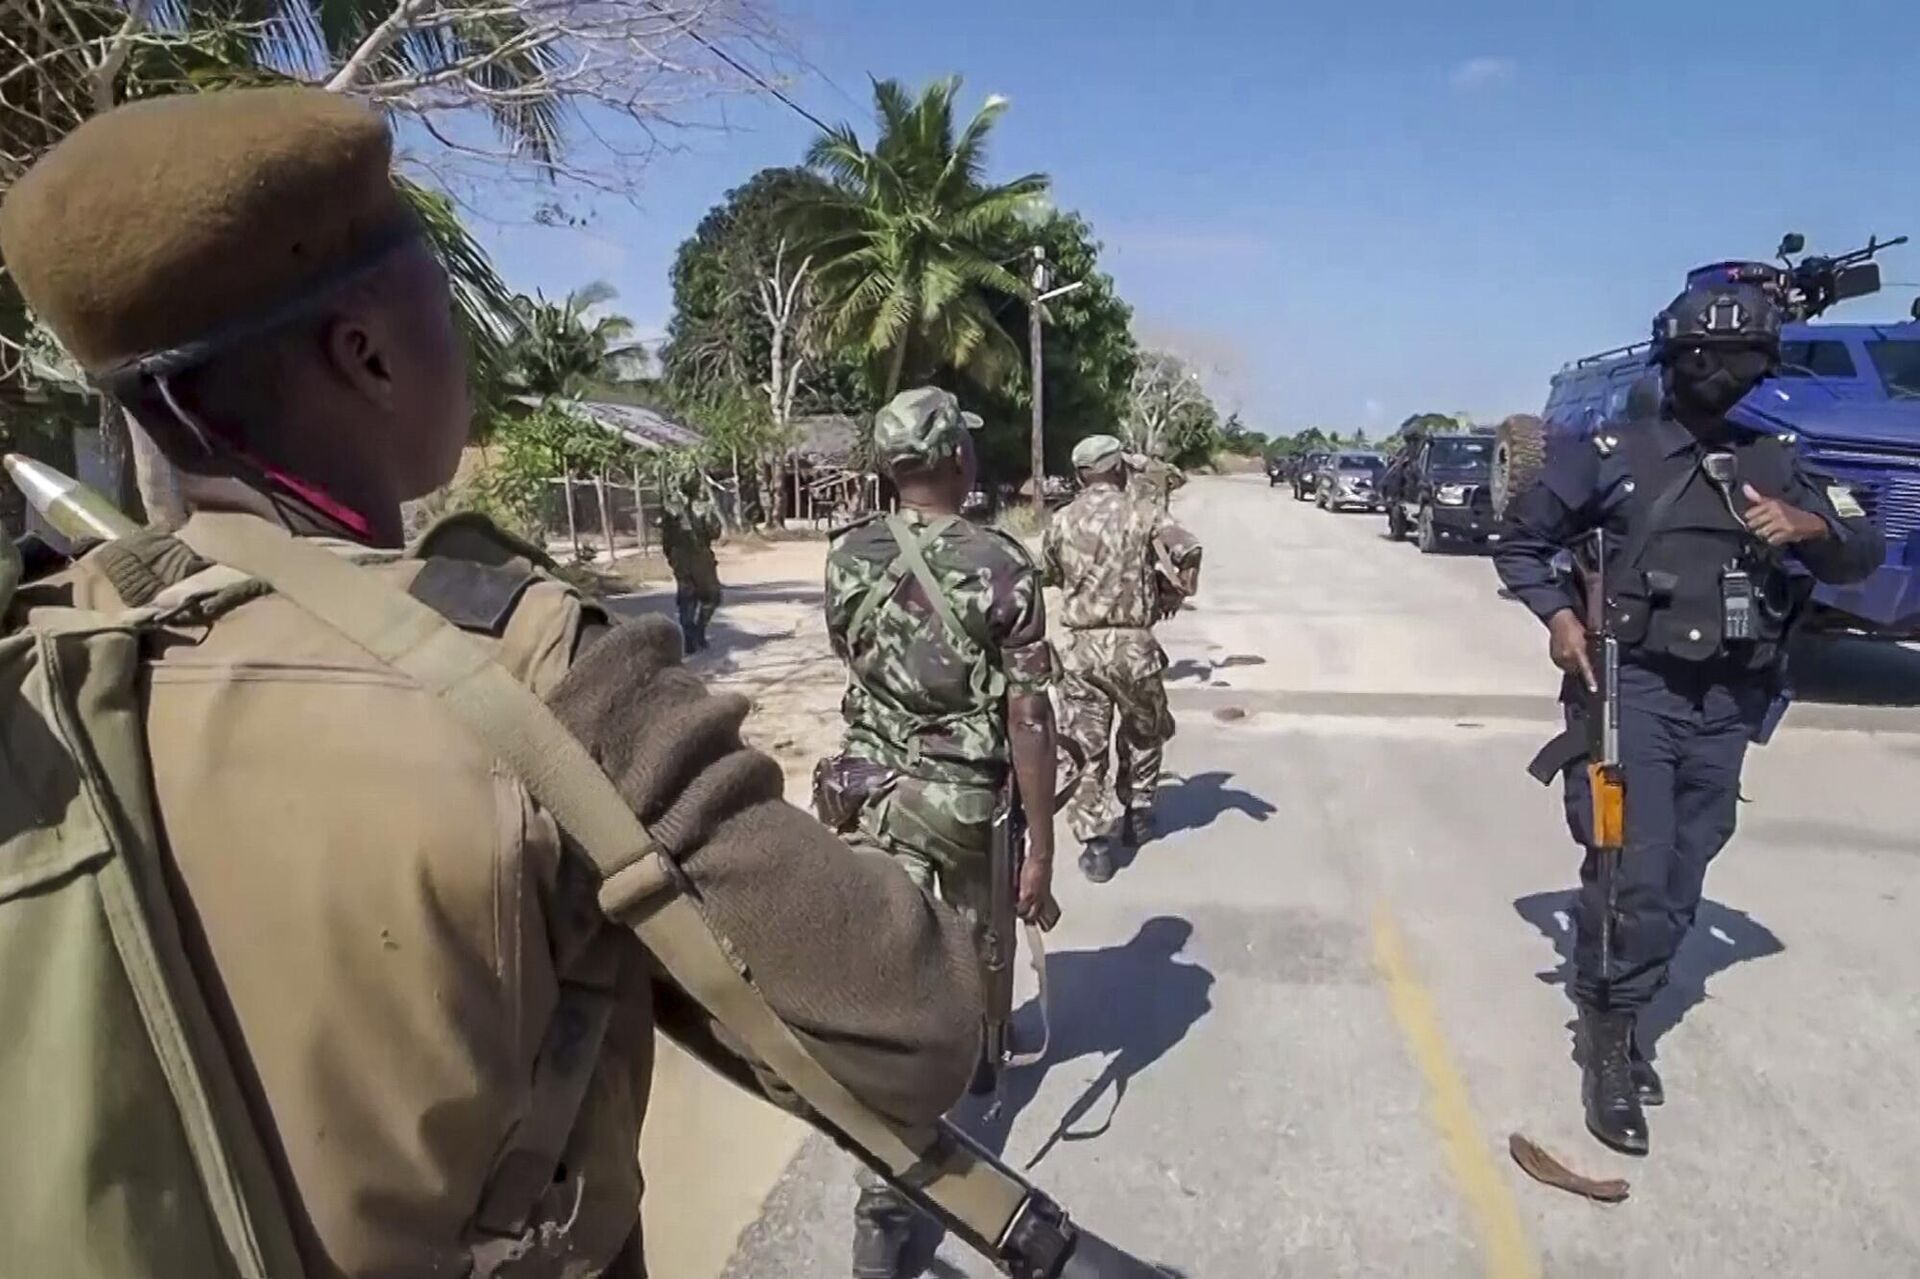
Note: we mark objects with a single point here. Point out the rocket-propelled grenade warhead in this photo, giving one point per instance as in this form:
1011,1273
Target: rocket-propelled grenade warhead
75,510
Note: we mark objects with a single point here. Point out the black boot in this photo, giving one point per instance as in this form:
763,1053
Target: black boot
1141,828
882,1229
1096,862
1646,1080
1606,1083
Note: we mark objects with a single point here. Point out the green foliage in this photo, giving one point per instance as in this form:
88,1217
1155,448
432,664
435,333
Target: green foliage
719,342
1310,440
1193,439
735,427
1087,352
532,449
907,238
1236,439
560,348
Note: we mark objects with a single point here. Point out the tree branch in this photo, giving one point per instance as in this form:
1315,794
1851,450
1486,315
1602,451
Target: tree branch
377,42
115,58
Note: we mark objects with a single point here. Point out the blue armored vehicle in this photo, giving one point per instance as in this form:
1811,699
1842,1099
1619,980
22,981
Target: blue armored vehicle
1849,394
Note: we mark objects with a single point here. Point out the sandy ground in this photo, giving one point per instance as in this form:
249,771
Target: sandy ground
711,1153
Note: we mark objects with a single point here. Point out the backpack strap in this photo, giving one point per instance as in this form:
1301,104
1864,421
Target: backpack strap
564,779
914,551
911,557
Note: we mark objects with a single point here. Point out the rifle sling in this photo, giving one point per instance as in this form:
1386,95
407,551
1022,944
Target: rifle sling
1656,515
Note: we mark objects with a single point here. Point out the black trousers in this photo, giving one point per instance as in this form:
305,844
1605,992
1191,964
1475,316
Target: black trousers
1684,729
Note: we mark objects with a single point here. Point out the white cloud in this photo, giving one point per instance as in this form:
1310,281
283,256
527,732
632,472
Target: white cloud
1480,73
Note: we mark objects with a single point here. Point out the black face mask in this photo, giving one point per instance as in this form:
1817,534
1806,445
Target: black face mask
1711,380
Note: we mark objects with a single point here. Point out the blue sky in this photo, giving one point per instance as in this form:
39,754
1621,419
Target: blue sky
1351,212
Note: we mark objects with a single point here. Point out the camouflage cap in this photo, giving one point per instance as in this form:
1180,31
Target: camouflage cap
924,426
161,231
1098,453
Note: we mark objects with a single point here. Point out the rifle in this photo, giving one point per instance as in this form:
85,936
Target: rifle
1816,282
1006,859
1606,778
1593,735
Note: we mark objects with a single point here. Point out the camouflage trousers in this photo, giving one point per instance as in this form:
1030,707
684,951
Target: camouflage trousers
1112,703
941,834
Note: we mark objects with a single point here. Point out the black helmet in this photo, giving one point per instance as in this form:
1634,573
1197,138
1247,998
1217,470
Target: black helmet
1735,304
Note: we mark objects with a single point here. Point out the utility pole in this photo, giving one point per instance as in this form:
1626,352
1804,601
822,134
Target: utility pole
1036,315
1033,348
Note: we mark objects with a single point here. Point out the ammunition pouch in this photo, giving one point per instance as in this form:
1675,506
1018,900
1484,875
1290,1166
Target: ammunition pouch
843,785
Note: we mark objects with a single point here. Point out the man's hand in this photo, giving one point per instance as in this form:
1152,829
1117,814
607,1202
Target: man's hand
1567,644
1778,524
1035,903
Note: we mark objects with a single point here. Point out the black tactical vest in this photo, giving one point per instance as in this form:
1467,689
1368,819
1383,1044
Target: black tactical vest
1679,537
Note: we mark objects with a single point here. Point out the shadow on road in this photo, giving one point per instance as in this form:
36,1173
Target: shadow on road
1720,938
1848,671
1131,1004
1204,670
1198,801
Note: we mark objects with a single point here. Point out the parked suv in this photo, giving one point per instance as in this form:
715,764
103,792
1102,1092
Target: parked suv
1441,494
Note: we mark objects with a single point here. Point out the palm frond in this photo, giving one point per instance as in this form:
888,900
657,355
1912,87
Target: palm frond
588,296
484,307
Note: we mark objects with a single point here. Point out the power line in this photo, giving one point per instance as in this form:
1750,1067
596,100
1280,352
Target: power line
749,73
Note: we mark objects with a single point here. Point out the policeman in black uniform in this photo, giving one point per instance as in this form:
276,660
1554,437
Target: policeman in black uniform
1707,522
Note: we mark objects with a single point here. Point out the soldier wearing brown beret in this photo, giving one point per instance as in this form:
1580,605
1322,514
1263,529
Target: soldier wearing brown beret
396,940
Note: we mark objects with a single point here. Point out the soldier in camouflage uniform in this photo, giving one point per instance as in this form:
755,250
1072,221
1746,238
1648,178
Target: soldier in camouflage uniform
1104,552
943,629
689,524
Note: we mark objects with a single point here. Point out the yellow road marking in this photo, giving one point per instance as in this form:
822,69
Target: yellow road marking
1495,1214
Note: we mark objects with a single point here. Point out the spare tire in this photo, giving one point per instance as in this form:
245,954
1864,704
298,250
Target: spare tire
1520,447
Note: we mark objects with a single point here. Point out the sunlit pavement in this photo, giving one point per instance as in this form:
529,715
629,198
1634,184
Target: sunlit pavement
1293,1035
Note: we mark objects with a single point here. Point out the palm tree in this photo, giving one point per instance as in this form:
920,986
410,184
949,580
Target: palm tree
908,241
558,349
88,61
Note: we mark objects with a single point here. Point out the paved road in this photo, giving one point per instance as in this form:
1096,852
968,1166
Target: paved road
1291,1037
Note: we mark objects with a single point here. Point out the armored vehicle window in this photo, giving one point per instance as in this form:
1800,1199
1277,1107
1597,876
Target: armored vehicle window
1362,462
1815,359
1898,364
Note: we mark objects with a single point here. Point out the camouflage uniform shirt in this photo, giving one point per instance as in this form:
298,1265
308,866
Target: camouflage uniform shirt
1100,550
919,700
688,527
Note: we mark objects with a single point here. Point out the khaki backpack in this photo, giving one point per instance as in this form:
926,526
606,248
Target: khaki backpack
126,1149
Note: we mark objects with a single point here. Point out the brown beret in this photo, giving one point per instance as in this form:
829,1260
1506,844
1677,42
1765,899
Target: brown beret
162,229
